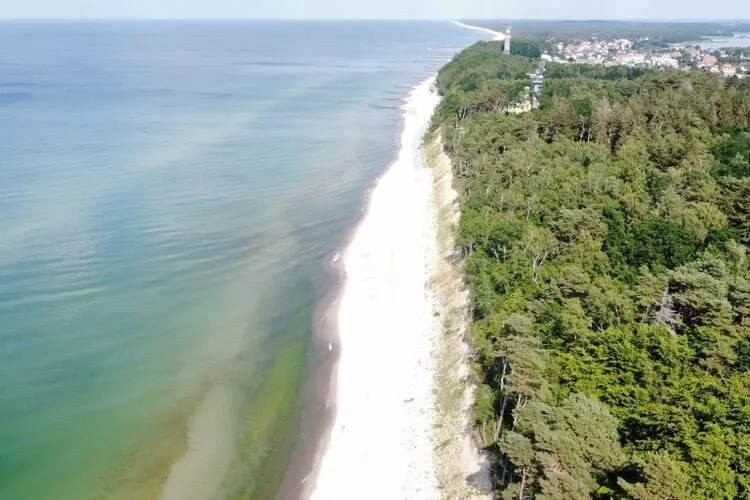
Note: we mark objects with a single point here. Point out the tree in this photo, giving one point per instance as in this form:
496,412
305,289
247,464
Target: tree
538,245
518,449
605,240
484,408
700,293
661,478
525,381
559,451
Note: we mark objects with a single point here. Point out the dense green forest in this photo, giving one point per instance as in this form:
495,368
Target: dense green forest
604,237
666,31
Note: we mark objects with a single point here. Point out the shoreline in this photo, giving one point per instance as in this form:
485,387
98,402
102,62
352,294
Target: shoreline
319,406
433,438
382,424
471,477
318,410
496,35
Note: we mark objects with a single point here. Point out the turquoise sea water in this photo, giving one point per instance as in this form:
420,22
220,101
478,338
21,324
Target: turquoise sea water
170,193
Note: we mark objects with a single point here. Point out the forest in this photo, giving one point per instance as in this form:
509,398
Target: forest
604,238
663,31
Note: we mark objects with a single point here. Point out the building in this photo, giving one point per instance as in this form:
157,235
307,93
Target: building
709,61
506,47
664,61
693,52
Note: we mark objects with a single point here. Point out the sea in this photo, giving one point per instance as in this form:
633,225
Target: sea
741,40
172,197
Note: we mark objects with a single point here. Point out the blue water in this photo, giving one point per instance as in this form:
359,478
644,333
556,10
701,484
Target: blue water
170,193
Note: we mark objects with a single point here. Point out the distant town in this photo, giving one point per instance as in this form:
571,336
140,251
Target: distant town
651,54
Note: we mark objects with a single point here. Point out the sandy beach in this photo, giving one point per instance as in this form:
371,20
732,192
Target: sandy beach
381,440
389,407
496,35
388,434
401,392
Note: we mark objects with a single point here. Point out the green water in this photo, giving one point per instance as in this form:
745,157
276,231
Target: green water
172,193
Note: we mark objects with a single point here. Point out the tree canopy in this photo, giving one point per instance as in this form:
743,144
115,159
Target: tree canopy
604,239
571,30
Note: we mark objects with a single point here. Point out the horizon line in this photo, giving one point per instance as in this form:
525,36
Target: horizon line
365,19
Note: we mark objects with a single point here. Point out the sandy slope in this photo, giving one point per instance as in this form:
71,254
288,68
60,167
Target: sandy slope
401,393
463,471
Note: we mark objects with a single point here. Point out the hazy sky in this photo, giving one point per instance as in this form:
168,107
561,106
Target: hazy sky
381,9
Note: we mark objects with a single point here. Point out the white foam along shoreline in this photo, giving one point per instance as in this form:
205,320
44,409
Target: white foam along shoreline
381,441
496,35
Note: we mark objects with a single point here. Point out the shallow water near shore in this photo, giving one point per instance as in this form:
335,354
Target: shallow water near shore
171,193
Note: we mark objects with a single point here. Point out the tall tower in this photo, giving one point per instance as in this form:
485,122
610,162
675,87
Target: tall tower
506,47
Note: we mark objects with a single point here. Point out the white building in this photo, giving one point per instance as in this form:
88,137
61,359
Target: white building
664,62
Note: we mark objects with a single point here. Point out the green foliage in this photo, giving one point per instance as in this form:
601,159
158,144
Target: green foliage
647,45
662,478
732,153
481,79
611,73
526,49
604,237
558,452
672,32
661,243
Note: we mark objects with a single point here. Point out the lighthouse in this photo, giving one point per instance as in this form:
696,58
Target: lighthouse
506,48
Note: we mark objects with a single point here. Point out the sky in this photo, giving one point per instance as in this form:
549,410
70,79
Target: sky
379,9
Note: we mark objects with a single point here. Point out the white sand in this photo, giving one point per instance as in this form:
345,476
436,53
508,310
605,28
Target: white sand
381,443
496,35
